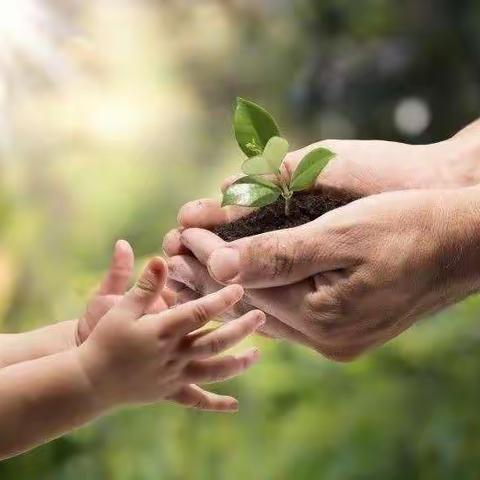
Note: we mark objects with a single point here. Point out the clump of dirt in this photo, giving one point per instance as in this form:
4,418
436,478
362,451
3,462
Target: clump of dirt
304,207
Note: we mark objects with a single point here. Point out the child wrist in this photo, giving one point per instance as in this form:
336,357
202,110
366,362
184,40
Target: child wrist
95,375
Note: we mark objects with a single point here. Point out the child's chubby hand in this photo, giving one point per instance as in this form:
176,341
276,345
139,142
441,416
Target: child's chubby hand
111,290
132,357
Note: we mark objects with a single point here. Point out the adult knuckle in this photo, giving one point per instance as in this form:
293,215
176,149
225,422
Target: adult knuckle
321,315
269,255
282,260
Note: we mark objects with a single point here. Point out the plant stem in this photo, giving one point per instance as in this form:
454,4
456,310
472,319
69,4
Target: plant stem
287,206
286,194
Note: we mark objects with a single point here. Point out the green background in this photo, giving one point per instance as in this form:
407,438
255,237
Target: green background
128,117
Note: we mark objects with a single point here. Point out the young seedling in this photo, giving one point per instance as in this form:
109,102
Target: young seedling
259,138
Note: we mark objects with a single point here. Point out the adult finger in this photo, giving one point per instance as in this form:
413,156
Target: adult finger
193,396
273,258
195,314
202,243
144,293
225,336
172,243
219,369
120,271
189,271
185,294
208,213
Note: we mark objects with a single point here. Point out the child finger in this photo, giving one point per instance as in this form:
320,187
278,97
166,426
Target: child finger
219,369
144,293
100,305
226,336
120,270
195,314
164,301
195,397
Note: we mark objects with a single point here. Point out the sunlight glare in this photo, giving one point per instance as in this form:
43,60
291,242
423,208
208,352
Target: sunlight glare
27,32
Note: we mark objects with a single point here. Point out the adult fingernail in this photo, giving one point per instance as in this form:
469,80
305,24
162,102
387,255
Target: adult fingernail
171,241
224,264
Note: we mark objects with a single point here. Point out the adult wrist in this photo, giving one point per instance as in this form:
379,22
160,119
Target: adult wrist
459,157
460,248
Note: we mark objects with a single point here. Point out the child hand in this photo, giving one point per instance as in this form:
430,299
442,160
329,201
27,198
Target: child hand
111,290
135,358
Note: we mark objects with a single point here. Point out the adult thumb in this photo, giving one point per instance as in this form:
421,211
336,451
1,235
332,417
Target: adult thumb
277,258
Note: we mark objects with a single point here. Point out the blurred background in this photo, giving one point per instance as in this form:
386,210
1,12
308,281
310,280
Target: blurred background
114,113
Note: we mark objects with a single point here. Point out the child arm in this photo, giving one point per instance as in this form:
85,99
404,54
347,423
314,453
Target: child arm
58,337
129,358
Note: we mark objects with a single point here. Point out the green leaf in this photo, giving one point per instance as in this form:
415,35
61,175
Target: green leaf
275,151
262,181
253,127
257,165
309,168
270,161
251,192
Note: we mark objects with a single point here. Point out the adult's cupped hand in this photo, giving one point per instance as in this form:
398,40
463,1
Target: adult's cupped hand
353,278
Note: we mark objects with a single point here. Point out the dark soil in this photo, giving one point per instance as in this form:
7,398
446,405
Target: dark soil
304,207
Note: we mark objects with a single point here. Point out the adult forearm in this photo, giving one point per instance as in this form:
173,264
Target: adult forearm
20,347
460,157
458,250
42,399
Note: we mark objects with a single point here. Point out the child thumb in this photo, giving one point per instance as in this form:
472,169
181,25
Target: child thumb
145,291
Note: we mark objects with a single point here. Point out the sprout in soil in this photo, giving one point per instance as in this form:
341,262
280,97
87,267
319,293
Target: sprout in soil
259,138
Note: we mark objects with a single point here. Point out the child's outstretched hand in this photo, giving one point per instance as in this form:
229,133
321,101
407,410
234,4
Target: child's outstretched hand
111,290
131,357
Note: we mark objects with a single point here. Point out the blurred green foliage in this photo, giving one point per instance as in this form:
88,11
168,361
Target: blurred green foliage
140,125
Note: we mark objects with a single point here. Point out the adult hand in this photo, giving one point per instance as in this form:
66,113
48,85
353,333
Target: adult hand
356,277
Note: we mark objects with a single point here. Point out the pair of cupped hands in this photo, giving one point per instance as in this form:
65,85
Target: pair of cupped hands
361,274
